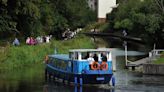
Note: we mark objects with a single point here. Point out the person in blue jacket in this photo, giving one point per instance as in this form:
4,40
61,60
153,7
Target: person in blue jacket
16,42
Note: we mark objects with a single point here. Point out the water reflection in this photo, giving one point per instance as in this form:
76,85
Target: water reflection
78,89
129,87
59,87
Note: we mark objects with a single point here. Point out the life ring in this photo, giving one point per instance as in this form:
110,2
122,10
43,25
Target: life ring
95,66
46,59
104,66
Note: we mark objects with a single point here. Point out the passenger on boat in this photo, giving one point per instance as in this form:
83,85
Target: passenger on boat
93,65
87,56
103,57
95,57
90,59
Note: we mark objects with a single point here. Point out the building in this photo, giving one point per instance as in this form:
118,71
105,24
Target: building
103,7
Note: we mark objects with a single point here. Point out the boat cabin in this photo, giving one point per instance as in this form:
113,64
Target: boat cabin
80,58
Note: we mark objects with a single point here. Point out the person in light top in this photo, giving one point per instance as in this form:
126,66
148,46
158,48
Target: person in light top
90,59
28,40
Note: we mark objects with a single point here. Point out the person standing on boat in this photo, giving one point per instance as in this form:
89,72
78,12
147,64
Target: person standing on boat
103,57
95,57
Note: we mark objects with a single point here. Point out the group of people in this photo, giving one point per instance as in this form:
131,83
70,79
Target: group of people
93,61
94,58
68,34
33,41
38,40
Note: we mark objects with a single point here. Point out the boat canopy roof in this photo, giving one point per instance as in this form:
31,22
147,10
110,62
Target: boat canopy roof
91,50
61,56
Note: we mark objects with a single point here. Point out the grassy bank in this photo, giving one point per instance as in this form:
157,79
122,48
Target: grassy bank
31,56
160,60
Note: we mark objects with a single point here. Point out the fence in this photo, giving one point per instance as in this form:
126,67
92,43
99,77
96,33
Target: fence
153,69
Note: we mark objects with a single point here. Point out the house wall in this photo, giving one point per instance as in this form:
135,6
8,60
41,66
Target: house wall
104,7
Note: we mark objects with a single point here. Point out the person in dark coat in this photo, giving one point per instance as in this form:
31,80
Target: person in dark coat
103,57
95,57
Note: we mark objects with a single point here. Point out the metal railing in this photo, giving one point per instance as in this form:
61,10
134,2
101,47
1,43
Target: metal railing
154,54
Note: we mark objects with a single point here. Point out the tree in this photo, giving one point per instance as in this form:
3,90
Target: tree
36,17
6,23
71,14
160,4
145,18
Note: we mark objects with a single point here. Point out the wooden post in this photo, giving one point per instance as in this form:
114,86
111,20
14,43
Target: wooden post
114,62
126,56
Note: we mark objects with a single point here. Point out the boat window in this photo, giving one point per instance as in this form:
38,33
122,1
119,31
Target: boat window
85,55
104,56
50,60
60,64
69,64
71,55
76,56
55,62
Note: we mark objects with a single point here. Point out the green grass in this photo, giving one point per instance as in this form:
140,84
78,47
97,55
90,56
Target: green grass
159,61
27,56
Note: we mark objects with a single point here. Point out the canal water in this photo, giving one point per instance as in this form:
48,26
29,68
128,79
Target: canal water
29,80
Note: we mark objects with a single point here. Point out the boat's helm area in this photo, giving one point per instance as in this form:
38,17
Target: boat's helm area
97,59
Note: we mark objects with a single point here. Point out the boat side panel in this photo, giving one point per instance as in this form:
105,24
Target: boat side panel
110,65
87,78
65,65
79,66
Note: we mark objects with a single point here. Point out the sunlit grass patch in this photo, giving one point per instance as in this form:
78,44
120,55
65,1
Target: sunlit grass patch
27,56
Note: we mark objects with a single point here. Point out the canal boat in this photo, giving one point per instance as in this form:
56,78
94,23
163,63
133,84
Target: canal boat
76,66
